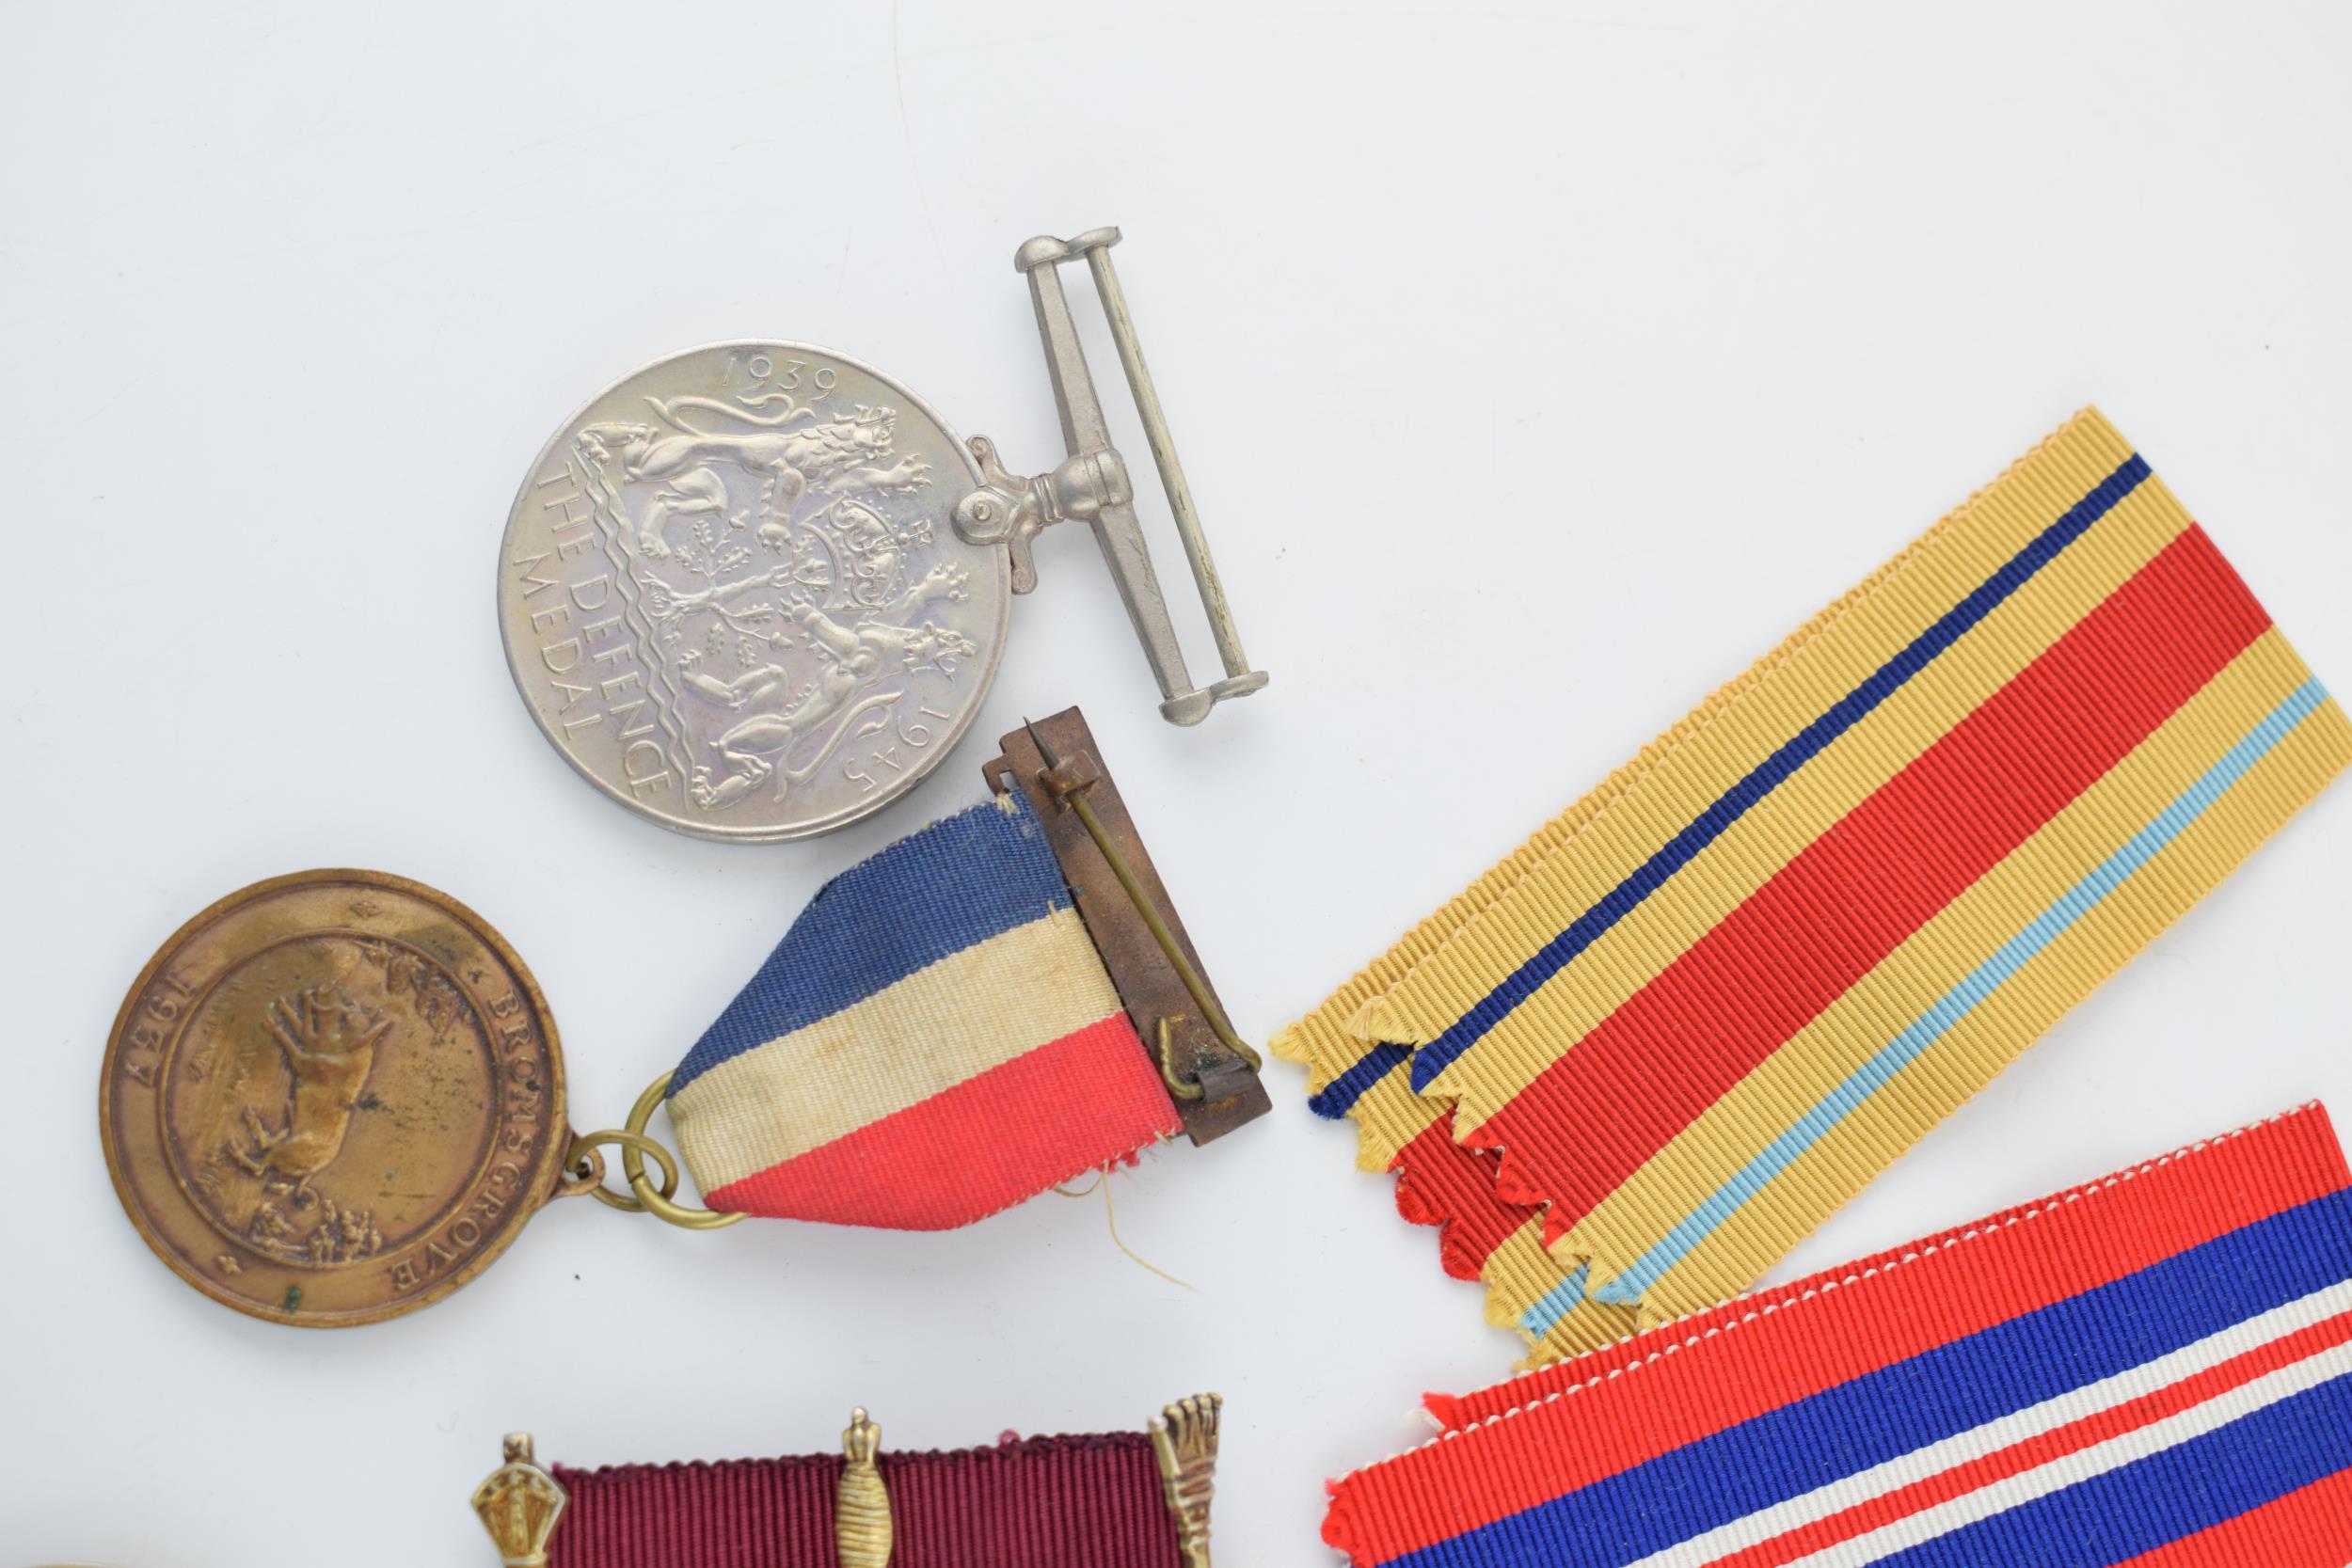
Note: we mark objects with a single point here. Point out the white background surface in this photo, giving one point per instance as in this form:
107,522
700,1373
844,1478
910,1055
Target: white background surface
1535,367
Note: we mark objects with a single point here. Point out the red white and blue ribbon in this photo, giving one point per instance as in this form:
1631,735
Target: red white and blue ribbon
2153,1370
934,1040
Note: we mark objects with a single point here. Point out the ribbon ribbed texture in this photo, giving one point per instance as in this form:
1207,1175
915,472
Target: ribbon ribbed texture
1038,1503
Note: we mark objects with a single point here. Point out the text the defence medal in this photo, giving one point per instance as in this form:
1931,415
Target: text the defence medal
758,589
333,1097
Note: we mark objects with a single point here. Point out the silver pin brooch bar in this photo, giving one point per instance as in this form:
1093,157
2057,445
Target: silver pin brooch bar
1092,485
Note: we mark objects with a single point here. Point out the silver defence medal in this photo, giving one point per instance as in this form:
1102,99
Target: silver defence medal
758,589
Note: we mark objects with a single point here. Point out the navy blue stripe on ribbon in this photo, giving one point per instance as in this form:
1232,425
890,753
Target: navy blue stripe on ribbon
1902,1407
1340,1095
1768,775
955,884
2166,1497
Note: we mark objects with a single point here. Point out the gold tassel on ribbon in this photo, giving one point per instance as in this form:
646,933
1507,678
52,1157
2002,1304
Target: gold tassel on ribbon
1184,1440
861,1511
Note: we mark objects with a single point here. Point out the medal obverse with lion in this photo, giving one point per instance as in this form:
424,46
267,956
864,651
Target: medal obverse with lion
733,600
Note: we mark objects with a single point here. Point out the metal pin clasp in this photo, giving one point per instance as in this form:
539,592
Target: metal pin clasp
1210,1071
1091,485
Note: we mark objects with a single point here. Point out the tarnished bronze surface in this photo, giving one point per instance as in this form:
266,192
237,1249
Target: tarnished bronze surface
332,1098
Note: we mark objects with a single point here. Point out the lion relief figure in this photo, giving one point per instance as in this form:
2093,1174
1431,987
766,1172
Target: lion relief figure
796,457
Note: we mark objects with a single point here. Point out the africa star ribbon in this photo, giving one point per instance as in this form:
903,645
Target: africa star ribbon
934,1040
1654,1048
2155,1369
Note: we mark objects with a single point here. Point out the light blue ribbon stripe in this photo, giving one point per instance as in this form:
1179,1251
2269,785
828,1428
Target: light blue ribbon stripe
1556,1303
1956,1004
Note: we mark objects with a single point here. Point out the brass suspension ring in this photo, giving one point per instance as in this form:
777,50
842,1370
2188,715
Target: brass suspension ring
584,1166
659,1204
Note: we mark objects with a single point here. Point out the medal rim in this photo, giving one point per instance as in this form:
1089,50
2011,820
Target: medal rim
543,1171
1000,568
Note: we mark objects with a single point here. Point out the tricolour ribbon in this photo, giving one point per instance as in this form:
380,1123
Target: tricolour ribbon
1652,1049
2155,1369
934,1040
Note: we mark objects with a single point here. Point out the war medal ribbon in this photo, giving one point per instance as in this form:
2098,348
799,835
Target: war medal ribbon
1642,1056
2153,1368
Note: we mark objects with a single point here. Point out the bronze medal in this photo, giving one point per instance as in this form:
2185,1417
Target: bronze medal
333,1097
